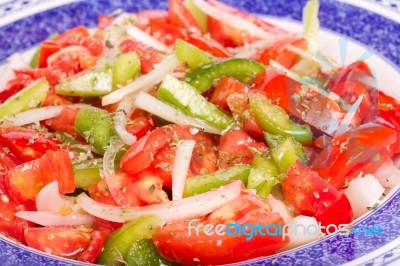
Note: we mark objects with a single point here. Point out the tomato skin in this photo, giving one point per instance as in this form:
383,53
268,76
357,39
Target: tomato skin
47,48
148,56
15,85
362,149
54,165
144,17
64,241
208,45
81,36
235,148
27,144
95,246
180,16
223,89
311,195
64,122
166,32
175,243
139,126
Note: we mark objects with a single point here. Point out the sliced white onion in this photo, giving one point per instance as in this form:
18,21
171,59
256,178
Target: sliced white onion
186,208
47,218
108,172
303,230
181,166
49,199
232,20
145,82
279,207
145,38
154,106
330,95
319,58
73,50
33,116
345,125
120,119
388,174
363,192
15,61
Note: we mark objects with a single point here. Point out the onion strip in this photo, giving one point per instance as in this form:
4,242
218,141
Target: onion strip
152,105
145,82
33,116
181,166
186,208
145,38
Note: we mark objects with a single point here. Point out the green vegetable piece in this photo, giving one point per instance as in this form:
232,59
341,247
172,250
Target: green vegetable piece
28,98
91,83
186,98
287,154
265,164
87,173
34,63
191,55
125,68
239,68
273,140
274,119
119,242
96,125
311,25
198,15
144,253
202,183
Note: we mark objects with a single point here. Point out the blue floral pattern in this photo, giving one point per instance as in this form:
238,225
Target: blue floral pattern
379,33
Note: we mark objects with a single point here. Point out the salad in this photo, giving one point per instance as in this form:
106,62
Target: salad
142,141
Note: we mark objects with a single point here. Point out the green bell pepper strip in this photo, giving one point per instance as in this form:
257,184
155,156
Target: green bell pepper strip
96,125
273,119
287,154
191,55
263,176
198,15
202,183
27,98
87,173
242,69
125,68
90,83
186,98
34,63
119,242
144,253
275,141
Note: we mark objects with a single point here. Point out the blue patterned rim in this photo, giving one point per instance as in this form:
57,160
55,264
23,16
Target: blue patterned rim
377,32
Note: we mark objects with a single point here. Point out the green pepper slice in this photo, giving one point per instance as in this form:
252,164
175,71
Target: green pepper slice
186,98
274,119
287,154
125,68
202,183
96,125
28,98
194,57
87,173
239,68
90,83
144,253
119,242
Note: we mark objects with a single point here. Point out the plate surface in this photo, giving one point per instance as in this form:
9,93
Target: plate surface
375,24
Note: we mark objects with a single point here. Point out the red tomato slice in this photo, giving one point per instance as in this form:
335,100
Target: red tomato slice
208,45
175,243
144,17
27,144
311,195
223,89
236,147
14,85
53,165
180,16
362,149
98,239
166,32
81,36
67,242
149,188
53,99
47,48
239,105
148,55
139,126
64,122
